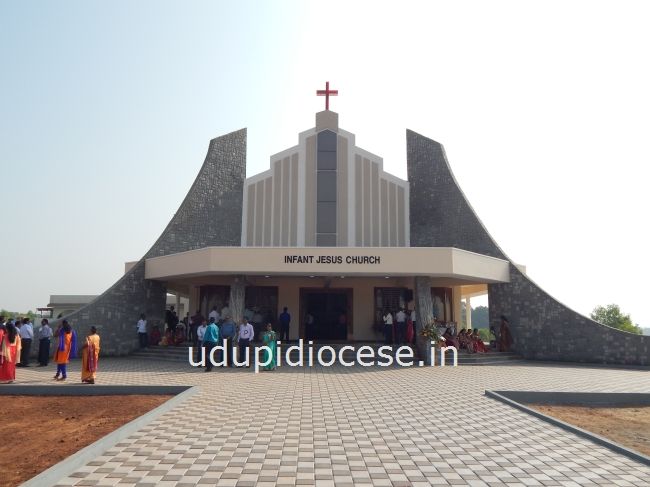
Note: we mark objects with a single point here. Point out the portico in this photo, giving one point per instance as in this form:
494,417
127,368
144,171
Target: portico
352,286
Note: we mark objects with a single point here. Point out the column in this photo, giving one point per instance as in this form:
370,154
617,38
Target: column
237,295
423,311
468,313
194,300
455,306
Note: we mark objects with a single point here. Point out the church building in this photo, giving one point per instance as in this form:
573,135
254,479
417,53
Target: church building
327,233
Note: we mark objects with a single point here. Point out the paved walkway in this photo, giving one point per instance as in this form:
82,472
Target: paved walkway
355,426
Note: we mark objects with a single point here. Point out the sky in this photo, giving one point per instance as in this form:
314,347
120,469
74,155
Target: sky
107,109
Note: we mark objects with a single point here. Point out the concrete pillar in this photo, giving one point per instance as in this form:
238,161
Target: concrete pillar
423,311
455,303
237,296
468,313
178,309
195,296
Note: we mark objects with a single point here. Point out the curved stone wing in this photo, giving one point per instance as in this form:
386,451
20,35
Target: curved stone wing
210,215
542,327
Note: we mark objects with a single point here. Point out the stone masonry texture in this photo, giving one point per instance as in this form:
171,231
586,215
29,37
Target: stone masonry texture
542,327
210,215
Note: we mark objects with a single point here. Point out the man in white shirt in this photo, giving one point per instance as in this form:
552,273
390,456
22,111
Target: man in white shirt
26,336
388,327
400,318
200,333
246,333
142,330
44,335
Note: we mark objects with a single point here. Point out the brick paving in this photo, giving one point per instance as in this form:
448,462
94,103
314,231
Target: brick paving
356,426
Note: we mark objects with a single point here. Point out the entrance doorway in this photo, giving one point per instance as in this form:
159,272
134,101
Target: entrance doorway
326,314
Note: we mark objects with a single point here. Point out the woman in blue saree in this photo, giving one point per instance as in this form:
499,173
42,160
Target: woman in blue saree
269,340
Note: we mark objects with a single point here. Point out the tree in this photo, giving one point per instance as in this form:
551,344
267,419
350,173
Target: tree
13,314
611,315
480,317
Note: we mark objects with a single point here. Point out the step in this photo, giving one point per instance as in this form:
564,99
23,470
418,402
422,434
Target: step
180,354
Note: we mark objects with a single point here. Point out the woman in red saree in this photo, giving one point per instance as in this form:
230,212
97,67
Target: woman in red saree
450,340
179,335
90,357
505,338
466,341
154,338
65,350
9,353
410,331
479,346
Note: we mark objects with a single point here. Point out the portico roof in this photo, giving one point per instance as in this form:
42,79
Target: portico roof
446,262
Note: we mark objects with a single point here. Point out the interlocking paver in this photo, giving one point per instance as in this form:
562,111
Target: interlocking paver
356,426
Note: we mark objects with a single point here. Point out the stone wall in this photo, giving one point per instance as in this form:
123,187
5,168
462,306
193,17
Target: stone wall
542,327
440,214
545,329
210,215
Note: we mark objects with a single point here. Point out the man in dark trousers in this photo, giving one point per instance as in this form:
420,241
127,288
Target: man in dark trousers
285,321
26,336
172,319
44,335
246,332
197,319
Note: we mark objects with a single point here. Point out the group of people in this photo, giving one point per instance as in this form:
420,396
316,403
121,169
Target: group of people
16,336
190,329
465,340
399,329
213,334
207,333
472,342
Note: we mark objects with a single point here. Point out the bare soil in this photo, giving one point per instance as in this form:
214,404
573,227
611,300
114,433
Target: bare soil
37,432
628,426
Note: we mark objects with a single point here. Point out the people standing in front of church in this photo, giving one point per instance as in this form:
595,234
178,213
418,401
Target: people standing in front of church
65,350
9,352
285,322
228,335
410,330
270,354
141,328
309,325
210,341
200,334
171,319
400,326
388,327
246,332
186,321
26,337
505,337
197,319
44,335
90,357
155,337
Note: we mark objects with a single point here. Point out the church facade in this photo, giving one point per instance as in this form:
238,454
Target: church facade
326,232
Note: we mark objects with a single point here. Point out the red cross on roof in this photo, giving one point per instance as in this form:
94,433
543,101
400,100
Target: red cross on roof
326,93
